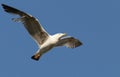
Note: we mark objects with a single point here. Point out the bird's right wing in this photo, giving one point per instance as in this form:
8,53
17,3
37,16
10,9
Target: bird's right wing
31,24
69,42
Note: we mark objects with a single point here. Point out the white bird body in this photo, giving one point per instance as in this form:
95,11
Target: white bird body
49,43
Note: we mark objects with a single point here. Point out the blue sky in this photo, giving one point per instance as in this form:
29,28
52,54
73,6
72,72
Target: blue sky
95,22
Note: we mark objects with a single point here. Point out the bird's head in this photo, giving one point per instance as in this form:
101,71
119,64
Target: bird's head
60,35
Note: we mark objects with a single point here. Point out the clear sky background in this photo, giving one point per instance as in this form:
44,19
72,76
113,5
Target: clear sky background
95,22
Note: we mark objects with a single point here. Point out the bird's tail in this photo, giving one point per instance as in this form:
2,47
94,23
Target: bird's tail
36,56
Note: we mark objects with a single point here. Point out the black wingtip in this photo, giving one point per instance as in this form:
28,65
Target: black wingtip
8,8
12,10
3,4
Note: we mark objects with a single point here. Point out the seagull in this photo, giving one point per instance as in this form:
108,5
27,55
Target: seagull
44,40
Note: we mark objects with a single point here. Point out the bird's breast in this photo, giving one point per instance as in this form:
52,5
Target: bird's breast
49,42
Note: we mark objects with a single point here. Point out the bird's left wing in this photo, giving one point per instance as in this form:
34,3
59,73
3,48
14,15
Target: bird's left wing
69,42
32,25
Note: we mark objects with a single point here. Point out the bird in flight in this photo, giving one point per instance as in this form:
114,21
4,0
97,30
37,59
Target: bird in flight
44,40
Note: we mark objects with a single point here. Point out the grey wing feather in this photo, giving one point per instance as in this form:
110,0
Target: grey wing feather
30,23
69,42
35,29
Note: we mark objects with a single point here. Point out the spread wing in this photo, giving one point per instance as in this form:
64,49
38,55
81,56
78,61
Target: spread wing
69,42
30,23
